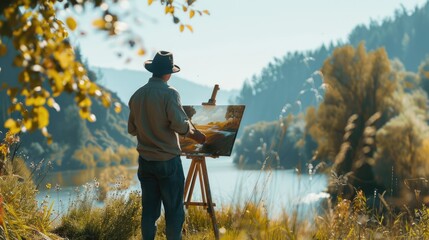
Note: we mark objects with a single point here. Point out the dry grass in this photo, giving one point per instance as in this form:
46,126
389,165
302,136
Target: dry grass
22,217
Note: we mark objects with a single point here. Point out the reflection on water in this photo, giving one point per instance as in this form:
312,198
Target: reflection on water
78,177
279,190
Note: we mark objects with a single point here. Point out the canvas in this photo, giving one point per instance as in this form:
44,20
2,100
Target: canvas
220,125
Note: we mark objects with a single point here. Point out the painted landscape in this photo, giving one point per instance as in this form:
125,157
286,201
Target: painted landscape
220,125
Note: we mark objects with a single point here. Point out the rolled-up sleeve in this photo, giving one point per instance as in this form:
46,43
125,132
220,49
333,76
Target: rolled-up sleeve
176,115
132,129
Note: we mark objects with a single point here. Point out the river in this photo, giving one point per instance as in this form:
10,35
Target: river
280,190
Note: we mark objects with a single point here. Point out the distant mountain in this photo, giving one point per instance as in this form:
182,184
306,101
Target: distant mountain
125,82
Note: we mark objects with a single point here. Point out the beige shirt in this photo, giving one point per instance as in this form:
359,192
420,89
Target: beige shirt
156,118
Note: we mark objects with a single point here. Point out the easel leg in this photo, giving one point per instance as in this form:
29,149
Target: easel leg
188,178
202,184
210,208
194,173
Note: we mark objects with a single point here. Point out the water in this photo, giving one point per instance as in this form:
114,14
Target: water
282,190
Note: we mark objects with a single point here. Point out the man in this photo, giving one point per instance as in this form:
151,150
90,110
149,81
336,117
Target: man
156,118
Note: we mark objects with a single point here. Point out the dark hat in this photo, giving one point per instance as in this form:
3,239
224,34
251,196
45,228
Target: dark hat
162,64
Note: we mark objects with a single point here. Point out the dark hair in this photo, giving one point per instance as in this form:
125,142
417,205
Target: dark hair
157,75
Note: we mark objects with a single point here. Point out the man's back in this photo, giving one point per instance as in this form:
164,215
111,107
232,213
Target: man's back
156,118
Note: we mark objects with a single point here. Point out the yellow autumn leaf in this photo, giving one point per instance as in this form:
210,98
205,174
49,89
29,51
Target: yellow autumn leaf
39,101
92,89
99,23
190,28
12,125
51,102
49,140
12,92
185,8
24,77
149,2
71,23
141,52
28,124
4,151
182,27
191,14
15,108
25,92
106,100
3,49
118,107
29,101
42,116
206,12
9,123
85,102
48,186
84,113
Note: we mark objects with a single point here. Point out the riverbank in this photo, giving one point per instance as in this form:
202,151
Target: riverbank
280,190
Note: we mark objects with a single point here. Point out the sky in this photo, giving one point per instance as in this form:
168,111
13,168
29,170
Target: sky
237,40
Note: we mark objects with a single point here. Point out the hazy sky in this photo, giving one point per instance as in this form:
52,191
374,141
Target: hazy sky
240,37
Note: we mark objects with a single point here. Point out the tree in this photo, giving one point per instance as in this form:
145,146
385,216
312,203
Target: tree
47,62
402,149
424,75
360,86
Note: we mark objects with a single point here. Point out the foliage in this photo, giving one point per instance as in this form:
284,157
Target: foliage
424,75
118,219
21,217
354,220
48,65
282,144
359,94
94,156
402,150
104,137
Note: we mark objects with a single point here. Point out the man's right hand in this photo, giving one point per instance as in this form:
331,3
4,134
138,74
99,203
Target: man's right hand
198,136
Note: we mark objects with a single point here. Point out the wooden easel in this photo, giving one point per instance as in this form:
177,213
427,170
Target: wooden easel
199,168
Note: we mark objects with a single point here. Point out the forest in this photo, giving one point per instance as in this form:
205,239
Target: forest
295,86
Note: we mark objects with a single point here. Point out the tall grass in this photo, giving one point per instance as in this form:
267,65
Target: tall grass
22,217
119,218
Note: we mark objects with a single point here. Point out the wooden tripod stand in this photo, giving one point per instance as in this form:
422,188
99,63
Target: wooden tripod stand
199,168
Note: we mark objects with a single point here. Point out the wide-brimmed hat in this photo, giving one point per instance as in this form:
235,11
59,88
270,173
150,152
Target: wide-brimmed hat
162,63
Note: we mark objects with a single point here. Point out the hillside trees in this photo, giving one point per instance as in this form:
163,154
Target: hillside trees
356,103
404,36
282,144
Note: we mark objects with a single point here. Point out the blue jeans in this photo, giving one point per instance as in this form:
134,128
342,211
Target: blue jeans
162,181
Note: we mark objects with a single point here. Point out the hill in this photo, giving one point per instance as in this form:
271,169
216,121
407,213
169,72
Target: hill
292,83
